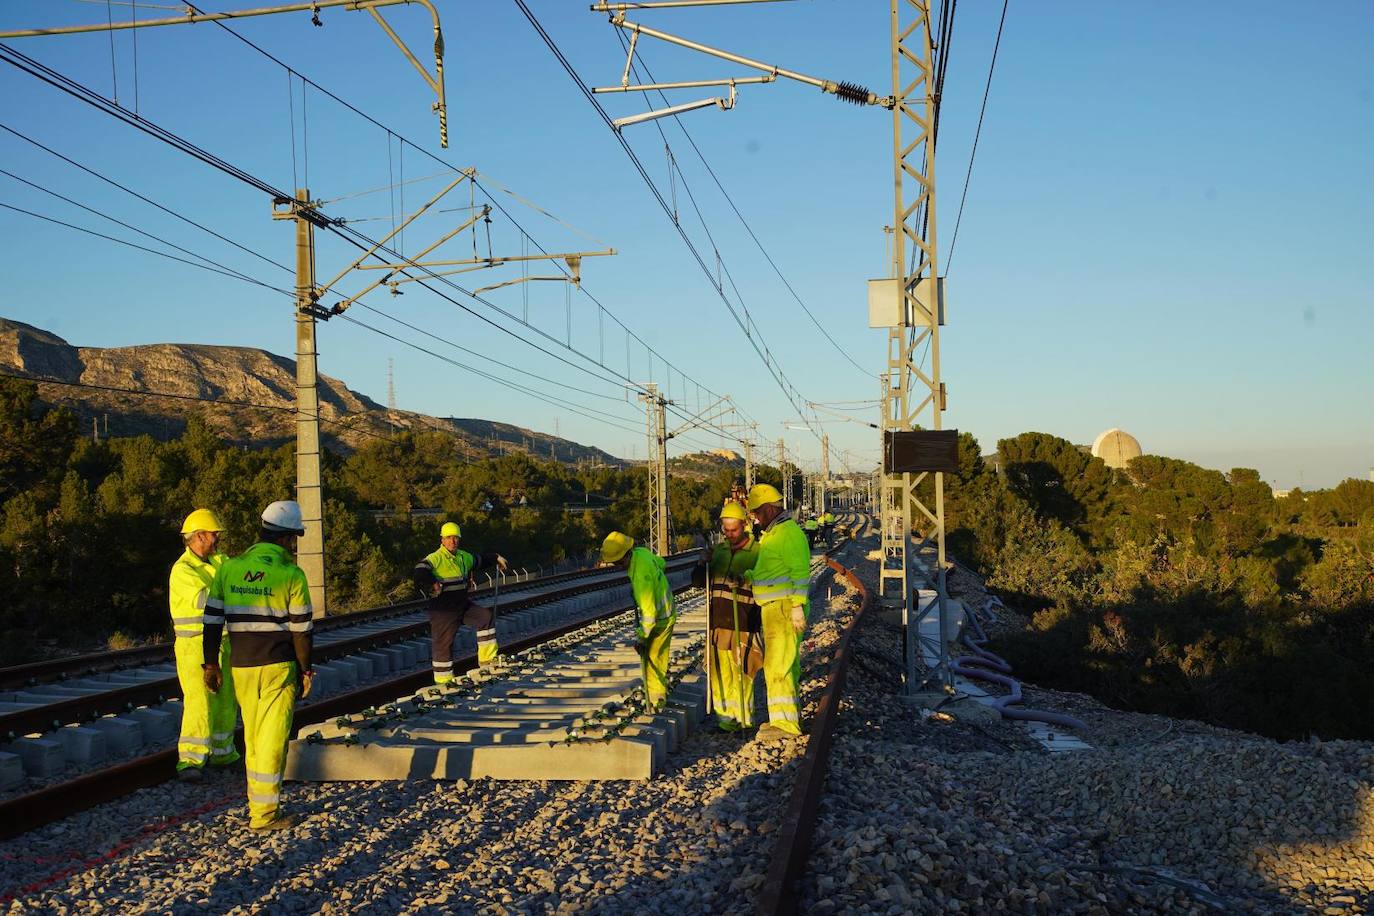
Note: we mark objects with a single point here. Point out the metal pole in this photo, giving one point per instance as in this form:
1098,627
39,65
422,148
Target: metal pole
661,409
825,470
656,429
782,469
310,547
913,164
748,464
651,464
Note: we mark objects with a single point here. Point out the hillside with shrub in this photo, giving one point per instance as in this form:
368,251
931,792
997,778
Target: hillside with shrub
88,530
1174,589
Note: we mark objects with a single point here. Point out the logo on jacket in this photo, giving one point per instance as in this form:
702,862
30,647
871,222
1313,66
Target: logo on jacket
253,576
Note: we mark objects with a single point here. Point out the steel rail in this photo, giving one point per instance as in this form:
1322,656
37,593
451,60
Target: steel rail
25,812
778,895
32,674
48,716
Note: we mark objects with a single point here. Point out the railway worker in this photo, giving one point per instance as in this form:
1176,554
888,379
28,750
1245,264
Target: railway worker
813,530
445,578
657,611
263,598
736,629
828,527
207,717
782,585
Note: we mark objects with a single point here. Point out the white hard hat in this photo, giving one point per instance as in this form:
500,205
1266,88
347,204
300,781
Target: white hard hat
283,515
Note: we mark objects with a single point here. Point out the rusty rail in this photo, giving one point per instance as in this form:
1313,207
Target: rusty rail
778,895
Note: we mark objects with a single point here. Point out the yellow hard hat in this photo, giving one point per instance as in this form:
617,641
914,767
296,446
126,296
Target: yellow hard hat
201,520
450,530
761,494
616,545
734,510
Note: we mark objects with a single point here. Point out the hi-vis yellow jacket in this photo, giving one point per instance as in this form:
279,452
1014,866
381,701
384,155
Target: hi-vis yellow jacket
263,599
783,571
649,586
188,588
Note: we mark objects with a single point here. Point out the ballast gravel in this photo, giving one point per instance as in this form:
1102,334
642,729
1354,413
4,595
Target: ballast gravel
921,815
1161,816
697,839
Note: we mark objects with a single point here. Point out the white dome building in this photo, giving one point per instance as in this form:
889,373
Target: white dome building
1116,447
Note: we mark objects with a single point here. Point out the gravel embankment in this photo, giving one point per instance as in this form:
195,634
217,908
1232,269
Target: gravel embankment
696,839
921,816
1161,816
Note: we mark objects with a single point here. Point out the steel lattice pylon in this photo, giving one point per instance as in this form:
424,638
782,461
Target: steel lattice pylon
908,392
656,426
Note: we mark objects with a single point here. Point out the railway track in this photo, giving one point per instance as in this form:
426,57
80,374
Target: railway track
80,723
51,671
589,644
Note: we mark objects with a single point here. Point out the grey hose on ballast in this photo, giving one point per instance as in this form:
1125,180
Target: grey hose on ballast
987,666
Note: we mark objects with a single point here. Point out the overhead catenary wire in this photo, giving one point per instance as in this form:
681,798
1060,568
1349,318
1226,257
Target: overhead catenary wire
357,239
227,273
389,186
982,111
475,353
562,403
677,119
761,350
165,209
219,267
603,311
549,399
403,142
82,93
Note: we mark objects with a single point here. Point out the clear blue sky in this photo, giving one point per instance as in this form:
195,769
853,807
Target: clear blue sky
1166,230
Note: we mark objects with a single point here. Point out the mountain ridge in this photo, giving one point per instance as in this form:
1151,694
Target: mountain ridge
247,395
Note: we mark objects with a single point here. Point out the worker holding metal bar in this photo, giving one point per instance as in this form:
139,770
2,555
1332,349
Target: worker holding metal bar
263,598
736,637
657,612
207,717
445,578
782,586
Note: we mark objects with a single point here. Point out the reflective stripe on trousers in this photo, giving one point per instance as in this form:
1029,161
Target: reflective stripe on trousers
267,697
486,646
653,667
781,666
205,716
732,691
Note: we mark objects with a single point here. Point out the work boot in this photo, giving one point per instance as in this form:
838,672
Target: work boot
280,822
769,732
190,774
726,724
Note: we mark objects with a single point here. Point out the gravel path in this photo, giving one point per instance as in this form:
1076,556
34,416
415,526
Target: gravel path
1161,816
696,840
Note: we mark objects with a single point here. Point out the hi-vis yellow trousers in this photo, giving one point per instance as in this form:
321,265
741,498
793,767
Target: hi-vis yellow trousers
782,666
653,665
207,719
732,690
267,698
